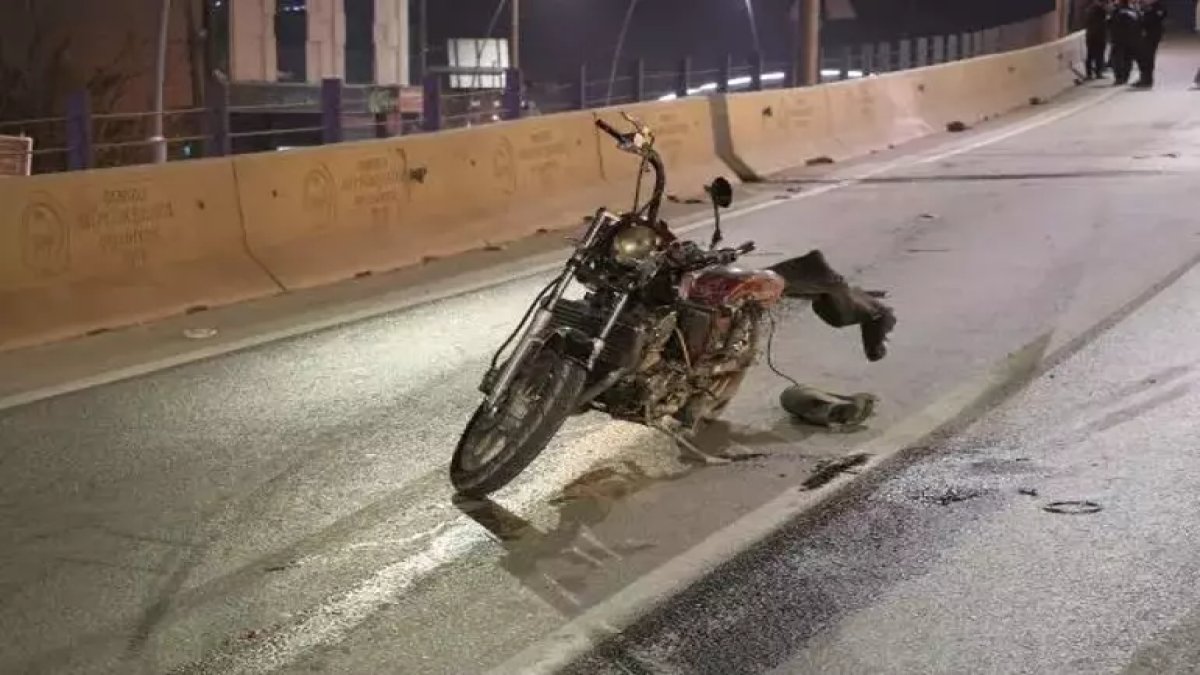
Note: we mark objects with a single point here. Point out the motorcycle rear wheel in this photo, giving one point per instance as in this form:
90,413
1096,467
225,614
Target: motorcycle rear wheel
496,447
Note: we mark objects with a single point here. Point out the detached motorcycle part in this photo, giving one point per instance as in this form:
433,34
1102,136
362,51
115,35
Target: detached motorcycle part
500,441
823,409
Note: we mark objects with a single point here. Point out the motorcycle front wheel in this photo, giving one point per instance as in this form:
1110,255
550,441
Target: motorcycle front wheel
497,446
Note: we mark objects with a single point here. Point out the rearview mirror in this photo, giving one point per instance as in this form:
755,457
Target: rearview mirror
721,192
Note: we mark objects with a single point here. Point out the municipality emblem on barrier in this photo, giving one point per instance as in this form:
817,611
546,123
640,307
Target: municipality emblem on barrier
319,197
45,241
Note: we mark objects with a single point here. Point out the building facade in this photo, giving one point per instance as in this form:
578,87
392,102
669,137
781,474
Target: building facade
359,41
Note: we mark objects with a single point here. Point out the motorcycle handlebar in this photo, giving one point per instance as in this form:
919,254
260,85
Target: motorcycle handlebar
608,129
693,258
651,157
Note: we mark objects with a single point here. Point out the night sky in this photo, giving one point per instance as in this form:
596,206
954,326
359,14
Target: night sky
559,35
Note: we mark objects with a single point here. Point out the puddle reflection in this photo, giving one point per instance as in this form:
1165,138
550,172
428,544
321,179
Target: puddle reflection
555,563
567,563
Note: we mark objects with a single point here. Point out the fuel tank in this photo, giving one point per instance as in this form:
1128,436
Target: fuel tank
720,286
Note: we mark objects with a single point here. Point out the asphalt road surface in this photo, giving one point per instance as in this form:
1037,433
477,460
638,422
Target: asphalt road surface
1057,535
285,508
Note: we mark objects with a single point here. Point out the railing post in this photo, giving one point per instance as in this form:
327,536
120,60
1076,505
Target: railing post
219,144
726,74
512,94
905,60
581,100
79,131
868,59
844,65
883,57
756,71
331,110
683,82
939,49
964,46
639,80
952,48
922,52
431,104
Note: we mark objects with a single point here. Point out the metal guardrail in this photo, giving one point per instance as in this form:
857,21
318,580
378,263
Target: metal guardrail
245,118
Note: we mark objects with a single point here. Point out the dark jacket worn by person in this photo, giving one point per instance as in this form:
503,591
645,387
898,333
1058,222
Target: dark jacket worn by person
1153,17
1096,22
1125,28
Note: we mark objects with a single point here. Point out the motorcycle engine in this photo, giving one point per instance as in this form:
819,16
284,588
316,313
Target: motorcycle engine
658,386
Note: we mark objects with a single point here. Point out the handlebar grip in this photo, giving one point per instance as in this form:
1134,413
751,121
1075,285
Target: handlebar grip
724,257
745,248
608,129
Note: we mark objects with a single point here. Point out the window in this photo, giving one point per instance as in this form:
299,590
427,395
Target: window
291,39
360,41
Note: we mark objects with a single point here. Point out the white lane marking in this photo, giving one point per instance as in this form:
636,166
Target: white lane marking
542,264
333,621
449,541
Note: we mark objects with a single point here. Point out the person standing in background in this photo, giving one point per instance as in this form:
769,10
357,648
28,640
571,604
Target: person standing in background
1096,22
1125,30
1154,14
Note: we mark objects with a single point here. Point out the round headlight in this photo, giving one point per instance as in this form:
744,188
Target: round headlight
634,244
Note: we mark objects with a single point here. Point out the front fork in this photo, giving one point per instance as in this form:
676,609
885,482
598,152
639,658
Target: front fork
533,334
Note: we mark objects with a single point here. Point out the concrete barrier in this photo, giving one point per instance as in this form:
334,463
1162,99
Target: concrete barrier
99,249
686,135
93,250
876,113
770,131
318,215
847,119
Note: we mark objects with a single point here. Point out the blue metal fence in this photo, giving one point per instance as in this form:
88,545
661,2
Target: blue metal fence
299,115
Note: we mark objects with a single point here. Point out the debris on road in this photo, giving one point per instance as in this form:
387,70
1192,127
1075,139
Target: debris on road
823,409
949,496
1073,508
827,470
199,333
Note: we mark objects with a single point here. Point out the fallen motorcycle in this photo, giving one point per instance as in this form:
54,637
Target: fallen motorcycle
663,336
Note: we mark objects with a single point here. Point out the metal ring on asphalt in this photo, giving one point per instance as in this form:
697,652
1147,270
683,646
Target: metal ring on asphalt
1073,508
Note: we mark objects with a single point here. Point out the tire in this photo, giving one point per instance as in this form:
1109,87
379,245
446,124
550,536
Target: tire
555,383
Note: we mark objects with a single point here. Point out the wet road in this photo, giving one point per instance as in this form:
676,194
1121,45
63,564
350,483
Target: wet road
286,508
962,563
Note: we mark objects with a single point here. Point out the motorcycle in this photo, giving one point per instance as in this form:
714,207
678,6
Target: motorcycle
663,335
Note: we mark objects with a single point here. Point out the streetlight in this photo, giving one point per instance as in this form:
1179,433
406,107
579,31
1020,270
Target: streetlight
612,78
753,25
160,77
